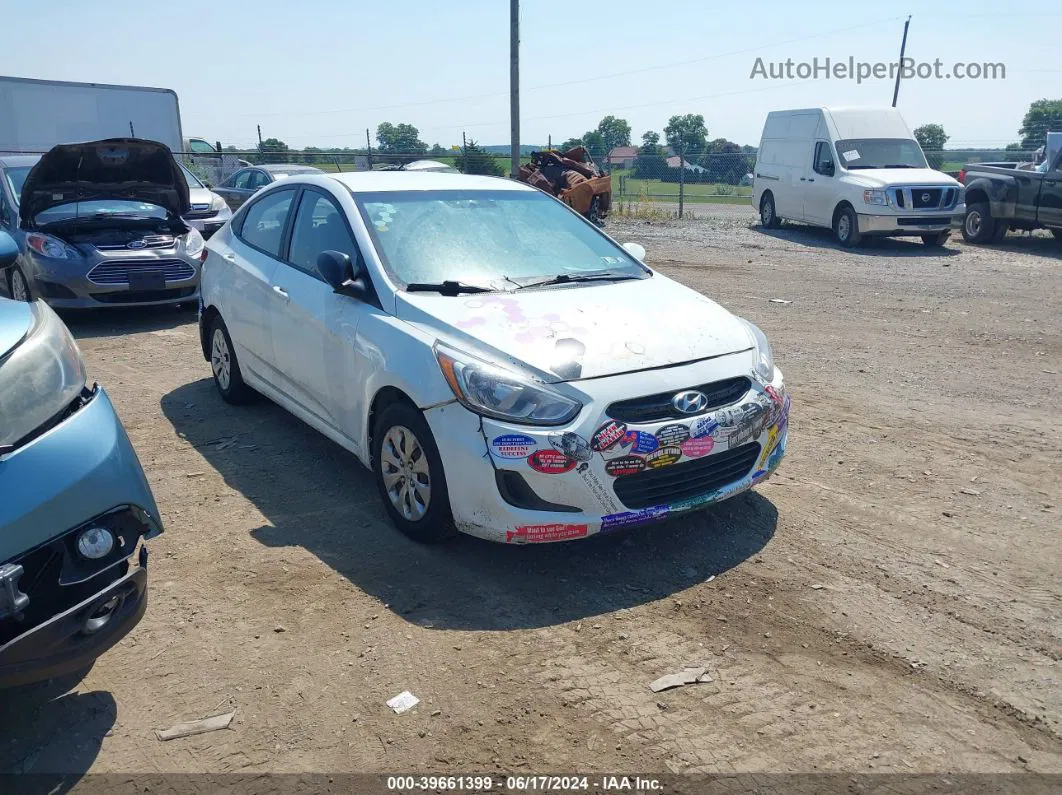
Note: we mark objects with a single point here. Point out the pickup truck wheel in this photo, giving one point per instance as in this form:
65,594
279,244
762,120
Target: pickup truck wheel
227,376
768,217
846,228
409,475
978,226
937,240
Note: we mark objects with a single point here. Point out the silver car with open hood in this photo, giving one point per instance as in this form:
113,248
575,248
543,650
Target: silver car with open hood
102,227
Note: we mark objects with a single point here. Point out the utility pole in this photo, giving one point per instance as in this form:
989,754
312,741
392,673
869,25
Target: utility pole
514,84
132,132
464,152
368,147
899,70
259,140
682,176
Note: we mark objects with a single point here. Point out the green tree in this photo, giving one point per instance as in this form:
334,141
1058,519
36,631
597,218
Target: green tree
651,162
687,134
650,141
476,160
931,137
399,143
273,150
725,161
571,143
1043,116
614,132
437,151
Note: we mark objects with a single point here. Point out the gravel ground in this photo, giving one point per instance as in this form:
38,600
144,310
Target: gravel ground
889,601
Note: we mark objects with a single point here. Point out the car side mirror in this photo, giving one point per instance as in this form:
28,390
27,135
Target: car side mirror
337,270
635,250
8,250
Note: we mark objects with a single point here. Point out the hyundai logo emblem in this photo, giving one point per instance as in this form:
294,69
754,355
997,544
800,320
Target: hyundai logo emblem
136,244
690,402
925,198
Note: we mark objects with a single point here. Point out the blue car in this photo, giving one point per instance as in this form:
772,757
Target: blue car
75,507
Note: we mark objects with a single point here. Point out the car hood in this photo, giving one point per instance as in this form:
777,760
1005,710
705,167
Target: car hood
583,331
888,177
117,168
16,320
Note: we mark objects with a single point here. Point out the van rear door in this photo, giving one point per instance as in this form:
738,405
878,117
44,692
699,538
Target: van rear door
820,185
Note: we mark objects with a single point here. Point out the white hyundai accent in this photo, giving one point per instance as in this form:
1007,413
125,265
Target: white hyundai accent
503,367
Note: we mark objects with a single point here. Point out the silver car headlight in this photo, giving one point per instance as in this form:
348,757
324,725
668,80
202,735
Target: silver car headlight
875,197
764,366
220,206
40,378
193,243
503,394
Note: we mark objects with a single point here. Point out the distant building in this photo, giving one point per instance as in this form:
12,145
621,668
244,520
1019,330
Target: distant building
623,157
673,162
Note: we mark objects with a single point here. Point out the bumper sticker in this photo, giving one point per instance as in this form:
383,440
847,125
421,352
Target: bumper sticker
541,533
550,462
607,435
513,445
663,457
704,426
628,518
697,447
573,446
625,465
640,441
672,435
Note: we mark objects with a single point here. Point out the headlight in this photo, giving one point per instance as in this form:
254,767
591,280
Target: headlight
764,366
218,204
193,243
502,394
40,378
875,197
48,246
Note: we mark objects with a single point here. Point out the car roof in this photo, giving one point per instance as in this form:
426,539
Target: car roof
374,181
291,168
18,161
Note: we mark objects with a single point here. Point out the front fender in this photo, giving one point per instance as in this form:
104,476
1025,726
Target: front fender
1002,194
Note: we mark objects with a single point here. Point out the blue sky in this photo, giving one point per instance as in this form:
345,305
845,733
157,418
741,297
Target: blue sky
318,72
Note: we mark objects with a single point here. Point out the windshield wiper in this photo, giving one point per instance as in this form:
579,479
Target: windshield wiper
570,278
899,165
446,288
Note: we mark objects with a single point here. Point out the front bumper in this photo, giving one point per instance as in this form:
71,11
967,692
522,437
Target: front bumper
913,223
208,226
574,489
67,286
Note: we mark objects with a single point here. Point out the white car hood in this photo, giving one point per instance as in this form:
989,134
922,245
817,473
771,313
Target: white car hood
582,331
891,177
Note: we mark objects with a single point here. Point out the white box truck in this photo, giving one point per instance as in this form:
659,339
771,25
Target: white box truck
859,171
35,115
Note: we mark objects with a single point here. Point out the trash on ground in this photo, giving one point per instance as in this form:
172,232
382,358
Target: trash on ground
403,701
196,727
779,301
688,676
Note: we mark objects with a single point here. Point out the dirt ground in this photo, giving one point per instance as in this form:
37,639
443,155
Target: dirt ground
890,600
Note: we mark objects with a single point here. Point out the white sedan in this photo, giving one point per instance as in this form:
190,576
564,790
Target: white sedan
503,367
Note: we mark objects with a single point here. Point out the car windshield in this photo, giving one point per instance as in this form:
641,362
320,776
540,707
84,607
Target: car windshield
16,178
192,180
100,207
488,237
858,153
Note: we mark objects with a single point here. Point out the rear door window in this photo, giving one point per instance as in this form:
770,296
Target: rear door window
264,222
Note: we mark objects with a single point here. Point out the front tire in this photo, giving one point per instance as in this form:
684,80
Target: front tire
768,214
409,475
978,226
594,213
937,240
226,368
18,285
846,228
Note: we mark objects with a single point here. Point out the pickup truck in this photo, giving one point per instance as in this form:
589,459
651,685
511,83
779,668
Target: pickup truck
1000,197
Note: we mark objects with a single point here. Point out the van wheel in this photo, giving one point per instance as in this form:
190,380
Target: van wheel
227,376
937,240
846,228
768,216
409,475
978,226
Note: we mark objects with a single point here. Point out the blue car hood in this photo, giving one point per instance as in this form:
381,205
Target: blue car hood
16,320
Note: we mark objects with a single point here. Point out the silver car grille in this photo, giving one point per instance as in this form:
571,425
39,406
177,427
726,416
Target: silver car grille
117,271
151,241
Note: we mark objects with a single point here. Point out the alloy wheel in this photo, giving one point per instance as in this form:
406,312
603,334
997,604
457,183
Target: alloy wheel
19,288
406,476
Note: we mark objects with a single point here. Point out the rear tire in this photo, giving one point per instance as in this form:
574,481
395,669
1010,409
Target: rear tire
978,225
409,475
937,240
226,368
18,285
846,228
768,214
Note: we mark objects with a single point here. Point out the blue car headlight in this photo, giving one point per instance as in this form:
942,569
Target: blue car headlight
40,378
50,247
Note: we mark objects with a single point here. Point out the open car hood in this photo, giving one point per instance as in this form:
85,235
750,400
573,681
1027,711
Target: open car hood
131,169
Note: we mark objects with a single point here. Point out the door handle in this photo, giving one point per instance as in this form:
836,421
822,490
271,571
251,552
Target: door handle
811,179
229,256
280,291
803,180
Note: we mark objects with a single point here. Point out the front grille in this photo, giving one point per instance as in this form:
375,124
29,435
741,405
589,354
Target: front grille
690,479
117,271
200,212
151,241
929,197
911,198
656,408
143,296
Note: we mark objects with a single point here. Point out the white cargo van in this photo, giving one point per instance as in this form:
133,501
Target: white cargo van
859,171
